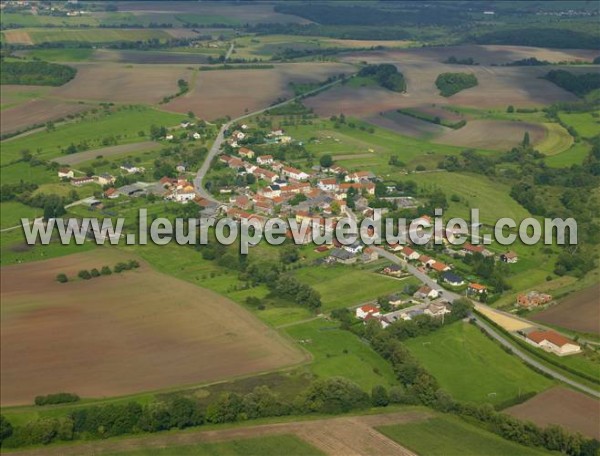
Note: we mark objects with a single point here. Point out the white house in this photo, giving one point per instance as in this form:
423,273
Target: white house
294,173
132,169
366,310
105,179
196,135
410,254
551,341
264,160
328,185
65,173
426,292
169,137
436,310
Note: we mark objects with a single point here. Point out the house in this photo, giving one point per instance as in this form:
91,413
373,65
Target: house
436,309
469,249
337,169
294,173
342,256
366,310
509,257
265,174
439,267
328,185
241,201
111,193
77,181
264,160
65,173
359,176
196,135
354,248
369,254
533,299
185,124
452,279
180,167
105,179
553,342
476,288
246,153
393,270
369,187
409,254
426,292
132,169
238,135
395,247
426,261
169,137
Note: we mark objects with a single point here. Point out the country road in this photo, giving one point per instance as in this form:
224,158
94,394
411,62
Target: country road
216,147
451,296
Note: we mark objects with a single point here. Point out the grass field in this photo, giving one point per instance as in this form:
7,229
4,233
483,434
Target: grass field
266,445
587,124
123,125
451,436
11,213
337,352
572,156
91,35
557,140
473,368
61,55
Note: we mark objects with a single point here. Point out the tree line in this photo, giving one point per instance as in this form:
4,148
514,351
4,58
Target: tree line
36,73
579,84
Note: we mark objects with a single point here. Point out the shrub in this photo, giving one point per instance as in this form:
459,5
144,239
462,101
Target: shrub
84,274
105,270
95,273
58,398
62,278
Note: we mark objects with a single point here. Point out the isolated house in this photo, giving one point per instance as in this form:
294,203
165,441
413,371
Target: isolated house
509,257
65,173
342,256
366,310
533,299
551,341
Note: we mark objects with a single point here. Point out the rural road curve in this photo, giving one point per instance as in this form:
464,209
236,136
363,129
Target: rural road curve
216,147
487,328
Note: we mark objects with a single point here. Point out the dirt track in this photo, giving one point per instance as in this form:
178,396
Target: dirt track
344,436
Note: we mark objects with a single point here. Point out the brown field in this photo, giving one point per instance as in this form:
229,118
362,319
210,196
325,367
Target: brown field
148,57
579,311
123,83
36,111
80,157
135,331
491,134
407,125
575,411
343,436
230,92
17,37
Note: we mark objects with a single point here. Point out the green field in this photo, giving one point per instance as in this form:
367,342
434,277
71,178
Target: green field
95,35
572,156
337,352
587,124
123,124
61,55
345,286
473,368
557,140
451,436
11,213
17,95
266,445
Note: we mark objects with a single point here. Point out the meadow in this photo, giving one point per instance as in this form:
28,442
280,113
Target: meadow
85,35
461,348
449,435
587,124
337,352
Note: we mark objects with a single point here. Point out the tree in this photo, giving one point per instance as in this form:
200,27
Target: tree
6,429
105,270
53,207
185,413
95,273
62,278
510,109
379,396
289,254
526,139
334,395
84,274
326,161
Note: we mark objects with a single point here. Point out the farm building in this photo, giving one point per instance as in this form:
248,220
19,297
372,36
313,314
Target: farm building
553,342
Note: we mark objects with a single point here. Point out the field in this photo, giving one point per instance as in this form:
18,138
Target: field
346,435
37,36
556,140
578,311
121,334
123,83
459,352
587,124
573,410
449,435
337,352
105,152
13,95
11,213
221,92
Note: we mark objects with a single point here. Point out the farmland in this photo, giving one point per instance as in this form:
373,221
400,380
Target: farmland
127,341
441,436
460,348
575,411
578,312
36,36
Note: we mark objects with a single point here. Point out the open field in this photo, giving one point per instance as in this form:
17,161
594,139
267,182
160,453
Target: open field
123,83
346,435
449,435
105,337
38,111
95,35
13,95
459,352
556,140
337,352
579,311
105,152
407,125
573,410
287,444
149,57
574,155
587,124
231,92
11,213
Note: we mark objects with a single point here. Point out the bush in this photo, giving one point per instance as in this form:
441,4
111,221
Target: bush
379,396
58,398
105,270
452,83
334,395
62,278
95,273
84,274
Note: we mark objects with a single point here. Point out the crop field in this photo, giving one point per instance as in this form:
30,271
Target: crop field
13,95
221,92
449,435
96,35
123,83
122,124
574,155
152,57
337,352
573,410
460,352
37,111
124,333
337,285
587,124
578,311
556,140
407,125
106,152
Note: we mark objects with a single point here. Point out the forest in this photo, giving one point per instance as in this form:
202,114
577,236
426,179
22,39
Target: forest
386,75
36,73
452,83
580,84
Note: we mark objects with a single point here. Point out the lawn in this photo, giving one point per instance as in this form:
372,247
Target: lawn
123,124
337,352
265,445
345,286
473,368
449,436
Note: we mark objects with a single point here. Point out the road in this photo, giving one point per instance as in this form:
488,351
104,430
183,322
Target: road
229,51
451,296
216,147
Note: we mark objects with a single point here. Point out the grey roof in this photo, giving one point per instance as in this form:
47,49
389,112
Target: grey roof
451,277
341,254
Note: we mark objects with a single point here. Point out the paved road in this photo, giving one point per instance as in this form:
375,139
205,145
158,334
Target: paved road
216,147
492,332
